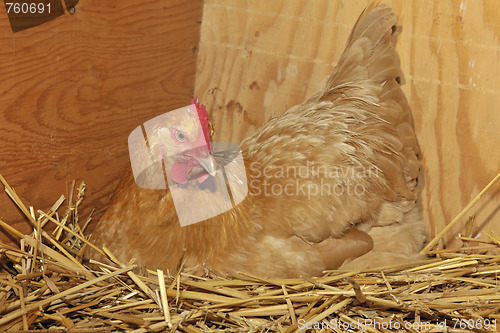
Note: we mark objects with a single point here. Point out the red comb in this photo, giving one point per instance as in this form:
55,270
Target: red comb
203,116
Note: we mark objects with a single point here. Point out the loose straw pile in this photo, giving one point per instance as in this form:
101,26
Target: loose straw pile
46,287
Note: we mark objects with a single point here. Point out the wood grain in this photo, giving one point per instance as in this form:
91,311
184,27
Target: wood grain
258,58
71,91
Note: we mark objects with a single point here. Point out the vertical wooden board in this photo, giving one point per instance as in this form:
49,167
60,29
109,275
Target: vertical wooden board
259,58
72,89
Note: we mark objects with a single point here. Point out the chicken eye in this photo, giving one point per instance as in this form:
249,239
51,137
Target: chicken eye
180,136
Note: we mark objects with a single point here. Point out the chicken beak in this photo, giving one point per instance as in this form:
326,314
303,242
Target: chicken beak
208,163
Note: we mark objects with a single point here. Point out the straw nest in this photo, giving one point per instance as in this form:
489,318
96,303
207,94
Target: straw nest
46,287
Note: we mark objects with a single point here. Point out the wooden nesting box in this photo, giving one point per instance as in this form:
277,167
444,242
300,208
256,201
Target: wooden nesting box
72,89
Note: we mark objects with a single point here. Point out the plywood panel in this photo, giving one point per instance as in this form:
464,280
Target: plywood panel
258,58
71,91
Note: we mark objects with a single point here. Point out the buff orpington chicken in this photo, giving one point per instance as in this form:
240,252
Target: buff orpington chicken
332,182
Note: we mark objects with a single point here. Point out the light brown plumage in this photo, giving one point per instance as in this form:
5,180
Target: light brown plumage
354,141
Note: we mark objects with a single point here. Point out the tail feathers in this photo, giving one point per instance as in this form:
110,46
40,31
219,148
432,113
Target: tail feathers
368,78
370,61
370,53
373,24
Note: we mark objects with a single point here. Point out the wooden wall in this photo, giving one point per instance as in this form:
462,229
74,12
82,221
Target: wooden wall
72,89
258,58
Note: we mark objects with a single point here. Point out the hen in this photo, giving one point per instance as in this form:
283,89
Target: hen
332,182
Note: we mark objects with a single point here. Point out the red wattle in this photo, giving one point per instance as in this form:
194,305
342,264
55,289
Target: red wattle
179,172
